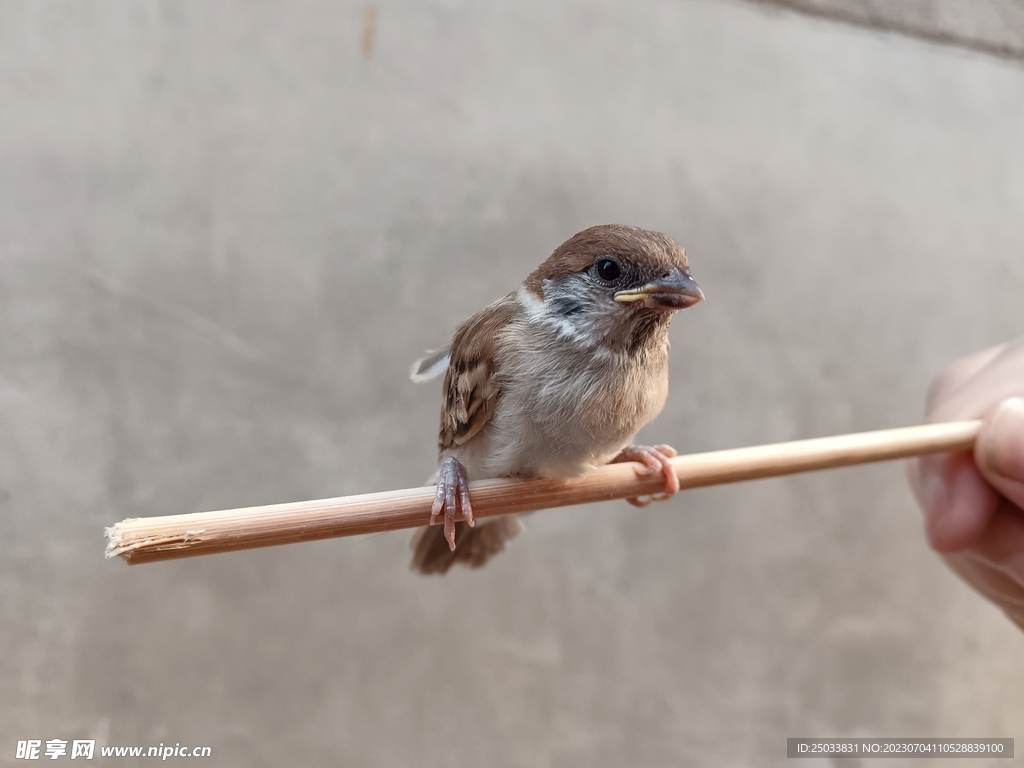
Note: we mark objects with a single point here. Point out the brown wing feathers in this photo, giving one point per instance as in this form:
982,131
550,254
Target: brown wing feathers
471,389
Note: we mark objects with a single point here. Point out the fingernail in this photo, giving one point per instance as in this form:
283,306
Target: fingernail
1004,443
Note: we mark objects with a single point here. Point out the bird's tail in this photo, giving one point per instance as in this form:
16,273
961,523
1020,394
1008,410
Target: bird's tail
473,546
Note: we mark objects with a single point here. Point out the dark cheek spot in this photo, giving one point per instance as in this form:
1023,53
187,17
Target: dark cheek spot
567,306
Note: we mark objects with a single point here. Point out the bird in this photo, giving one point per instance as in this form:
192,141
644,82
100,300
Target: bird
553,380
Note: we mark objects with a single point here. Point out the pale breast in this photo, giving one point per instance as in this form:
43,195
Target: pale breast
569,409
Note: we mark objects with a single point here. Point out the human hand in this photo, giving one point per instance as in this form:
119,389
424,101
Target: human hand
974,502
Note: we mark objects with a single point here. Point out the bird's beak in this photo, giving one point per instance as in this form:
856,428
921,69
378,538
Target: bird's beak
677,290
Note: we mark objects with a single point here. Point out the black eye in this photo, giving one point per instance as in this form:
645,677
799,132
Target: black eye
608,269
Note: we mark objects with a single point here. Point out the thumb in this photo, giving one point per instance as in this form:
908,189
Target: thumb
999,451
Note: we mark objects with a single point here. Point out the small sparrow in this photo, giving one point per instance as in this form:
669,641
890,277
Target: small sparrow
554,380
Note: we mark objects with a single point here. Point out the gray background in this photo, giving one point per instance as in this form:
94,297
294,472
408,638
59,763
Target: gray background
995,27
226,231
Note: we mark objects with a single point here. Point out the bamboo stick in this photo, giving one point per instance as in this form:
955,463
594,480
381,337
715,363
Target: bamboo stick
145,540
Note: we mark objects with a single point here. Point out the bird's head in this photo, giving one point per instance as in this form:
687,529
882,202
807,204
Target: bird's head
612,285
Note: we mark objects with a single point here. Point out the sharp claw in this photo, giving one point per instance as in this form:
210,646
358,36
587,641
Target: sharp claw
641,502
671,479
452,496
438,504
451,480
464,505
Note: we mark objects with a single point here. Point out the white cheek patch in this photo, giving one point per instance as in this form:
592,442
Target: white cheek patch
539,312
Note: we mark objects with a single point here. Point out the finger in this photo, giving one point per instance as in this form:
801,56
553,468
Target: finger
995,565
999,450
958,502
993,584
1016,616
957,373
1001,378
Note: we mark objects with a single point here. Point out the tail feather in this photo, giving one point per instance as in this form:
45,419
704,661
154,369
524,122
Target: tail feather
473,546
429,366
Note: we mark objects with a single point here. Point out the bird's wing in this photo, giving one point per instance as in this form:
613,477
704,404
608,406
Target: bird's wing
471,388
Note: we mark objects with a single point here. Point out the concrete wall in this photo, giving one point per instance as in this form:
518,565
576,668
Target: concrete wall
993,27
226,231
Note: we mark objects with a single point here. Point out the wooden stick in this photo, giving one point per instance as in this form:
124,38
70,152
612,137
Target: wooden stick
145,540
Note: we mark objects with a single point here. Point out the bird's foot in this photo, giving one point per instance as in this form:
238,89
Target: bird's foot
452,487
654,459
